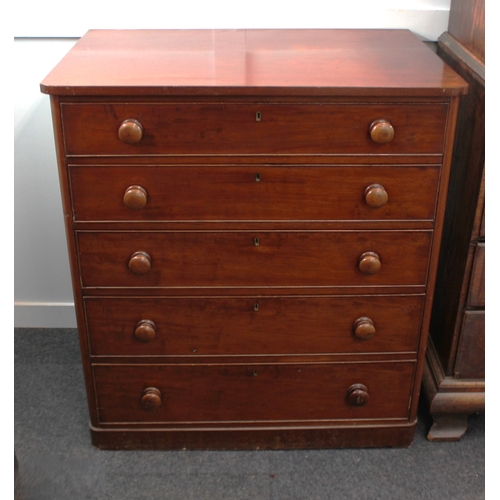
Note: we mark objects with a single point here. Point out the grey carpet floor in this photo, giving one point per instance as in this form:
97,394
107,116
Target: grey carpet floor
57,461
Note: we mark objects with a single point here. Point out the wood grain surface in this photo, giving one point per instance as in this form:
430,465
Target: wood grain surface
258,62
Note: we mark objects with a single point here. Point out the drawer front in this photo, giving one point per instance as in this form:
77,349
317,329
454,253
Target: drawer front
253,193
233,128
477,287
251,393
253,325
470,362
252,259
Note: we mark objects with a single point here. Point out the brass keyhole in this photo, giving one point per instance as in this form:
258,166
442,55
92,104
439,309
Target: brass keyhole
258,116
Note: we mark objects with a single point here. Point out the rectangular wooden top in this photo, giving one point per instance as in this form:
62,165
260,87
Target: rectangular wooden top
252,62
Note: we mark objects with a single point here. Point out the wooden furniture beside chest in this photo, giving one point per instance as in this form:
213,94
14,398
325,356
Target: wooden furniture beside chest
454,376
253,220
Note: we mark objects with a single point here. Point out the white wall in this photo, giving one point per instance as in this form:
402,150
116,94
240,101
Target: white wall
42,287
427,18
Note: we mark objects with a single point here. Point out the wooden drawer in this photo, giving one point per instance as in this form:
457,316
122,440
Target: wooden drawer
252,258
470,360
252,192
477,286
194,394
253,325
233,128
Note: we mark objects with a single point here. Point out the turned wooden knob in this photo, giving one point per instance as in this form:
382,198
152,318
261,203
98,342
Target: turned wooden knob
135,197
376,195
369,263
151,398
145,330
381,131
130,131
139,263
357,395
364,329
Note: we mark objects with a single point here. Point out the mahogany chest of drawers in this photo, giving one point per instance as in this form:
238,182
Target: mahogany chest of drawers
253,220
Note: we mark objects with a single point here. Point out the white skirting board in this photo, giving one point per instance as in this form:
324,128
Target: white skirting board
44,315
